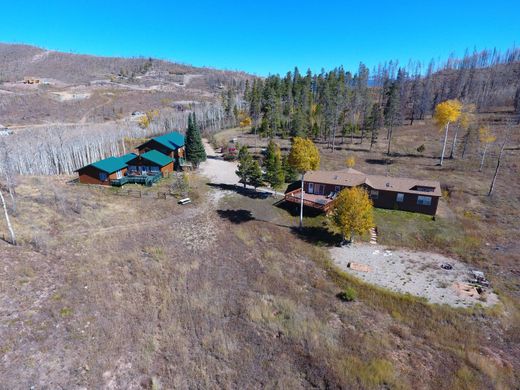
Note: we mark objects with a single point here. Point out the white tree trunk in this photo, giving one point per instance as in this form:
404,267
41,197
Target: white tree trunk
8,221
444,144
483,157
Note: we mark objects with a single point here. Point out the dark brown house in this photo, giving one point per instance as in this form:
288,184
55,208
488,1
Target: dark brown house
105,171
149,163
321,187
171,144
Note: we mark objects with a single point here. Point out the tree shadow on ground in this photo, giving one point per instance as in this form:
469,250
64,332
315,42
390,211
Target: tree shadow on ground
294,209
236,216
317,235
250,193
379,161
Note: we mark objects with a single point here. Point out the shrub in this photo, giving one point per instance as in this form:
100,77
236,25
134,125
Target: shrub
348,295
421,148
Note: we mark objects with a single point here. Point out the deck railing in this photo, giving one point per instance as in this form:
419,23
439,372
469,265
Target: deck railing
147,180
294,197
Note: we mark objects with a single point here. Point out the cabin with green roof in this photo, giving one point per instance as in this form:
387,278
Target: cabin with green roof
151,162
171,144
105,171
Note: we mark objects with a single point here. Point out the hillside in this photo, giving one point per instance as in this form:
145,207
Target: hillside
83,88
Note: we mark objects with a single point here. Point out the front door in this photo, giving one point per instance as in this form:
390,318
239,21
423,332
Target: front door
319,189
311,188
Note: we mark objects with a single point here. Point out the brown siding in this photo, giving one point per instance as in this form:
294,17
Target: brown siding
388,199
152,145
90,175
167,169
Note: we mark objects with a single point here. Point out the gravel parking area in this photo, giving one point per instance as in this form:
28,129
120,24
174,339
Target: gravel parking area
416,273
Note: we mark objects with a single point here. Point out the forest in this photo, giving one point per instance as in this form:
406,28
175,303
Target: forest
339,103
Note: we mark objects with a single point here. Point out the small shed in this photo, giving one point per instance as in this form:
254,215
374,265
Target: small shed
105,171
150,162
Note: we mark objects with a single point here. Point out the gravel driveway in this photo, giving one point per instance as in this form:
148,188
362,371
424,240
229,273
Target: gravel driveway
416,273
216,170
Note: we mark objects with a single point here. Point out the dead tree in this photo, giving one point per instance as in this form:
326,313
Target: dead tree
7,220
500,155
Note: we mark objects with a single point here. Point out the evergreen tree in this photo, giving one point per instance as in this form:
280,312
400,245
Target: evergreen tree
392,110
245,162
254,175
195,152
274,174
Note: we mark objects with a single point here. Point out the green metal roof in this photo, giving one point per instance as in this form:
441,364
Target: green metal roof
112,164
157,158
172,141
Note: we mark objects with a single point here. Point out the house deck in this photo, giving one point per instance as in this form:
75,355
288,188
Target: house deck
320,202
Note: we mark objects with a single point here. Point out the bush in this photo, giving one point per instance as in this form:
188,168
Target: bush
348,295
421,148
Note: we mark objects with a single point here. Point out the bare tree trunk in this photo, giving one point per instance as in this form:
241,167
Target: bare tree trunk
391,130
454,144
483,157
444,144
7,220
301,202
492,187
466,141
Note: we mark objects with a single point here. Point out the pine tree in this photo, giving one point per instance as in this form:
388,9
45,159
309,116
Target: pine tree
392,111
274,174
254,175
194,147
245,161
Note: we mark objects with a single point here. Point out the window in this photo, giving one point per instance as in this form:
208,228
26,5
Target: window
103,176
400,197
155,168
337,189
424,200
374,194
119,174
311,188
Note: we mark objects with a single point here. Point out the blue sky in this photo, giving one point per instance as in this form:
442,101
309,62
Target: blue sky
265,36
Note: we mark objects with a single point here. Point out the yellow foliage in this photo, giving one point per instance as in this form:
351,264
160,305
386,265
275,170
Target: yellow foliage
486,136
467,115
146,119
353,212
304,155
246,122
350,161
447,112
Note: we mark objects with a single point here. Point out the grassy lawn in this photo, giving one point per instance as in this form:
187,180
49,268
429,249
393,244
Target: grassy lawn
422,232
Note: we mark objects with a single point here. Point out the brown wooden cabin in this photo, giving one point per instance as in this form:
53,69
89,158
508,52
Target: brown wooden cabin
171,145
105,171
150,162
321,187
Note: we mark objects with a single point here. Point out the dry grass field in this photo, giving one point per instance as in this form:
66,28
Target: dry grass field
115,292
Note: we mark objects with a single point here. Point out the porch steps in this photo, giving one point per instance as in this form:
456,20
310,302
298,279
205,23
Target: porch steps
373,236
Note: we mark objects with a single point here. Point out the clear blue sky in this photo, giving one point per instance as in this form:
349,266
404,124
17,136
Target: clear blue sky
265,36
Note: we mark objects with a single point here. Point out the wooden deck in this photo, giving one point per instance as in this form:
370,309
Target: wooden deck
320,202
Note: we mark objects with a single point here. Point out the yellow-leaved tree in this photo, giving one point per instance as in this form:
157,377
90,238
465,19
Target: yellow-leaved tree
445,113
304,156
350,161
486,137
353,212
466,119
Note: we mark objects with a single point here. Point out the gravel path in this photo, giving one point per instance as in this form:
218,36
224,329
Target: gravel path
416,273
216,170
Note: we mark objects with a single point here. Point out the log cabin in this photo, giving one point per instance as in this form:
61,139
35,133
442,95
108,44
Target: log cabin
150,162
321,187
171,144
105,171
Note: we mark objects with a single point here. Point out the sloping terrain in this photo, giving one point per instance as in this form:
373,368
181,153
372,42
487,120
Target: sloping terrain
84,88
115,292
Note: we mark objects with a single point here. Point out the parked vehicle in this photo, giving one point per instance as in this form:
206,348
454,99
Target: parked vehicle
478,278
